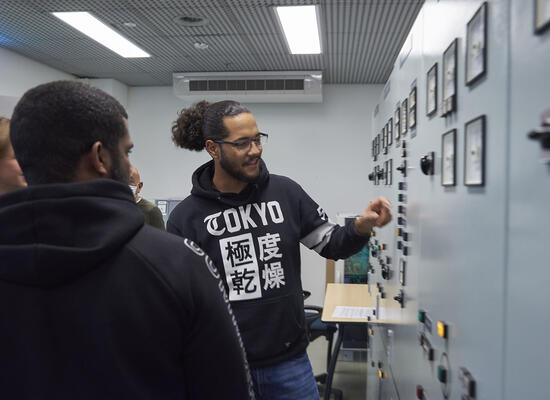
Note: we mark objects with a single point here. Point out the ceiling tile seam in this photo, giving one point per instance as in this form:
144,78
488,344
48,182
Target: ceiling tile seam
397,11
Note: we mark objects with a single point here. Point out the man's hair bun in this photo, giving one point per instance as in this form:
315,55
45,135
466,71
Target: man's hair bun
187,129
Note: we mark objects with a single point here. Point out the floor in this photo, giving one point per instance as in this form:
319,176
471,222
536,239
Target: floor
350,377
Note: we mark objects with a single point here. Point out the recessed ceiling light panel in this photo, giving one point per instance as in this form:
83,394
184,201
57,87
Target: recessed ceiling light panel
301,28
97,30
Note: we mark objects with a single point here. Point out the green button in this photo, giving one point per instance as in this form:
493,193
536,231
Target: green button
421,316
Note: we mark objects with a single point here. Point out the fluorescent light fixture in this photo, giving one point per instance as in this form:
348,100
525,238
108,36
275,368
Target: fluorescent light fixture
301,28
97,30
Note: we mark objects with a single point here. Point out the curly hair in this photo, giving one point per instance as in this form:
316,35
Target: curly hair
203,121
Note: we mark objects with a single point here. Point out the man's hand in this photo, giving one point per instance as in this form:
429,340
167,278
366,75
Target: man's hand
377,213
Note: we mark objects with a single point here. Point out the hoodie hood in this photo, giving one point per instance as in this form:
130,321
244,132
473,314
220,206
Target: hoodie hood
202,185
53,234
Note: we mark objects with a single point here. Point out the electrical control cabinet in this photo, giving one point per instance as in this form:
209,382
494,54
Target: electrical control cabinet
462,266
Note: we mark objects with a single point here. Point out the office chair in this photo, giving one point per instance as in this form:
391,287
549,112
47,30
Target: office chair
317,328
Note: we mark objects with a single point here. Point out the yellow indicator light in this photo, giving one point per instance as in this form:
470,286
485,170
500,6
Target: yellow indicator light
371,332
380,374
442,329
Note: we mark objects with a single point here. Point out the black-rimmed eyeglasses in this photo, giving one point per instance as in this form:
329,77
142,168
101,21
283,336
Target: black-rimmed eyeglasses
244,144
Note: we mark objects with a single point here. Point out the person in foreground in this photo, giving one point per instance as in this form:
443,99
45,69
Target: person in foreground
94,304
251,223
11,177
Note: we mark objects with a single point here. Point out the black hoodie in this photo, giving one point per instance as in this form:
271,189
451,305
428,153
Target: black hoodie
254,238
96,305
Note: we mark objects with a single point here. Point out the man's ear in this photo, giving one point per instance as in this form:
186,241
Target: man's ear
140,185
99,159
212,148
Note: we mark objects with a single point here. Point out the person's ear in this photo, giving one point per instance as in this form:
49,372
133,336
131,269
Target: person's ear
140,185
213,149
99,159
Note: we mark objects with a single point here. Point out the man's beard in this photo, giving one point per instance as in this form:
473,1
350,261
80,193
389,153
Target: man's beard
116,173
234,171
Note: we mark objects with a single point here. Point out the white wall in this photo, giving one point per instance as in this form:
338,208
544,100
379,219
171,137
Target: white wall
20,73
324,147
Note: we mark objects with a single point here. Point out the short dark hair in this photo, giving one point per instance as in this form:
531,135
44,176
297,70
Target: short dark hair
55,124
203,121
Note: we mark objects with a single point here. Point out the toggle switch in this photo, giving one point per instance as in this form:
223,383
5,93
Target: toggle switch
421,316
405,250
401,197
371,176
426,346
398,232
542,133
403,168
405,236
468,382
399,245
401,221
401,210
402,186
400,298
386,272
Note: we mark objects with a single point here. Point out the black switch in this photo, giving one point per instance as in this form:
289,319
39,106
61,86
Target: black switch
371,176
402,186
403,153
401,197
400,298
405,236
399,245
427,163
401,209
403,168
401,221
405,251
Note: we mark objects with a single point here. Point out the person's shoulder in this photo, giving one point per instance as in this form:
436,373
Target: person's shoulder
146,204
165,251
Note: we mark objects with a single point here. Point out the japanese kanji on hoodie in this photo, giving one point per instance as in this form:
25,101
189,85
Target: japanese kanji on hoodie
254,240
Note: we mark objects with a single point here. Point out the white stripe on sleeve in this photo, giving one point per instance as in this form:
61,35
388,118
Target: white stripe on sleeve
319,237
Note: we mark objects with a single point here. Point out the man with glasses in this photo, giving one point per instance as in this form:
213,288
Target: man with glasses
251,223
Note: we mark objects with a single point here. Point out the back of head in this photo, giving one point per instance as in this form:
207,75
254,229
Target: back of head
4,137
204,121
55,124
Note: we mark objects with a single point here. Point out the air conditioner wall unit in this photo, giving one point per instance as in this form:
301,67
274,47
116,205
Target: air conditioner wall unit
250,87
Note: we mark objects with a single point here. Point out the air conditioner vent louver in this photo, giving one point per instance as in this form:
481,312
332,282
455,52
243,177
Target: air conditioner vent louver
250,84
260,87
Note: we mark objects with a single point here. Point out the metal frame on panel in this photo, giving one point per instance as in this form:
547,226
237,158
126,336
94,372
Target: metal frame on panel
480,17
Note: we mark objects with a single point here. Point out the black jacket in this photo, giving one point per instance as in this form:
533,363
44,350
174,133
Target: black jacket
96,305
254,238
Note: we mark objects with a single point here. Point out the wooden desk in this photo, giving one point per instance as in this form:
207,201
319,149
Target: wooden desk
349,295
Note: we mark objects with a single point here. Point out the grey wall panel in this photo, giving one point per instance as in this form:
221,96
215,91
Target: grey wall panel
458,246
526,373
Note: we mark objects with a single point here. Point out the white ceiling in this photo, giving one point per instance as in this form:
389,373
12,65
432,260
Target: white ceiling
360,38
